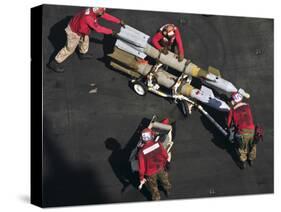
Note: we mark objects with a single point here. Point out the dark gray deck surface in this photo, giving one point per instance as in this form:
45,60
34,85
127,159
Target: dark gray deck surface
80,128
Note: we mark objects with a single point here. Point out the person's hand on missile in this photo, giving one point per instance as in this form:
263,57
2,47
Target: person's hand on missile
122,23
180,58
164,50
114,34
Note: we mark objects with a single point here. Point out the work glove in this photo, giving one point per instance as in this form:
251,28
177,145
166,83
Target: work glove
142,182
164,50
180,58
114,34
122,23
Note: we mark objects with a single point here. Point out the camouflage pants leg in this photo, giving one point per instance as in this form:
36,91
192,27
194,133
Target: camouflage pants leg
253,152
247,147
243,152
164,180
152,187
152,184
84,44
72,42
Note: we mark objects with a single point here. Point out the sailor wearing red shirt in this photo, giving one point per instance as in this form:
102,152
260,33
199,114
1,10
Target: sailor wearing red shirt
169,38
78,31
241,116
152,159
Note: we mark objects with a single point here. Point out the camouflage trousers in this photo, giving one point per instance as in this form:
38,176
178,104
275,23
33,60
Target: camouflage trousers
152,184
73,40
247,149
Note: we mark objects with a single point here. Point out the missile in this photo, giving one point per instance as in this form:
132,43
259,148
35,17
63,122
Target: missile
136,43
127,63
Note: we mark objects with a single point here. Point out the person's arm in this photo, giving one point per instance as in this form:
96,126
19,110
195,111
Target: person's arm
179,42
155,40
111,18
164,151
98,28
229,119
141,165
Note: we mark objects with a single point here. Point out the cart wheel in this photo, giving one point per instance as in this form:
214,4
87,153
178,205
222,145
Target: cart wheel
139,87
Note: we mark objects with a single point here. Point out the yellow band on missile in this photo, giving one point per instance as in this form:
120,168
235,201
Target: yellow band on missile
198,72
186,90
195,71
214,71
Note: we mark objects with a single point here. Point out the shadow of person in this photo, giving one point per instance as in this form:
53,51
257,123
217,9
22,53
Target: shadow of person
57,36
119,162
119,159
218,138
108,47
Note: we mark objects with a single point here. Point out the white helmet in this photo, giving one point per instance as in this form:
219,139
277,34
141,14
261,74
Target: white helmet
147,135
168,30
98,9
236,97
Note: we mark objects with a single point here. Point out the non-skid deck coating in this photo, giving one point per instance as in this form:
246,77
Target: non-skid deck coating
82,131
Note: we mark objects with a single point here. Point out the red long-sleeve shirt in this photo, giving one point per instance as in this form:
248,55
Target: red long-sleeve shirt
83,22
159,37
242,117
152,157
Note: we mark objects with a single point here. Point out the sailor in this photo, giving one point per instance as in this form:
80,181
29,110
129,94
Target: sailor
78,31
240,117
168,38
152,159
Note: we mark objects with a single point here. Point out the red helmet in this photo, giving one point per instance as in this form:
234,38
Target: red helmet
236,97
165,121
147,135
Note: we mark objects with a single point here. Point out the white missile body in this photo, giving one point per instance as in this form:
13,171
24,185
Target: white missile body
136,43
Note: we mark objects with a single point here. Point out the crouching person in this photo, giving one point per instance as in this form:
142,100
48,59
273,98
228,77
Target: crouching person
152,160
169,38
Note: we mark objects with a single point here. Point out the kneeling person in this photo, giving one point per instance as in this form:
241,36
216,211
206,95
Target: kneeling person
169,38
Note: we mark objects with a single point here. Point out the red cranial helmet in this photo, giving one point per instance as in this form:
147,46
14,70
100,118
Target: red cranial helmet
147,135
165,121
